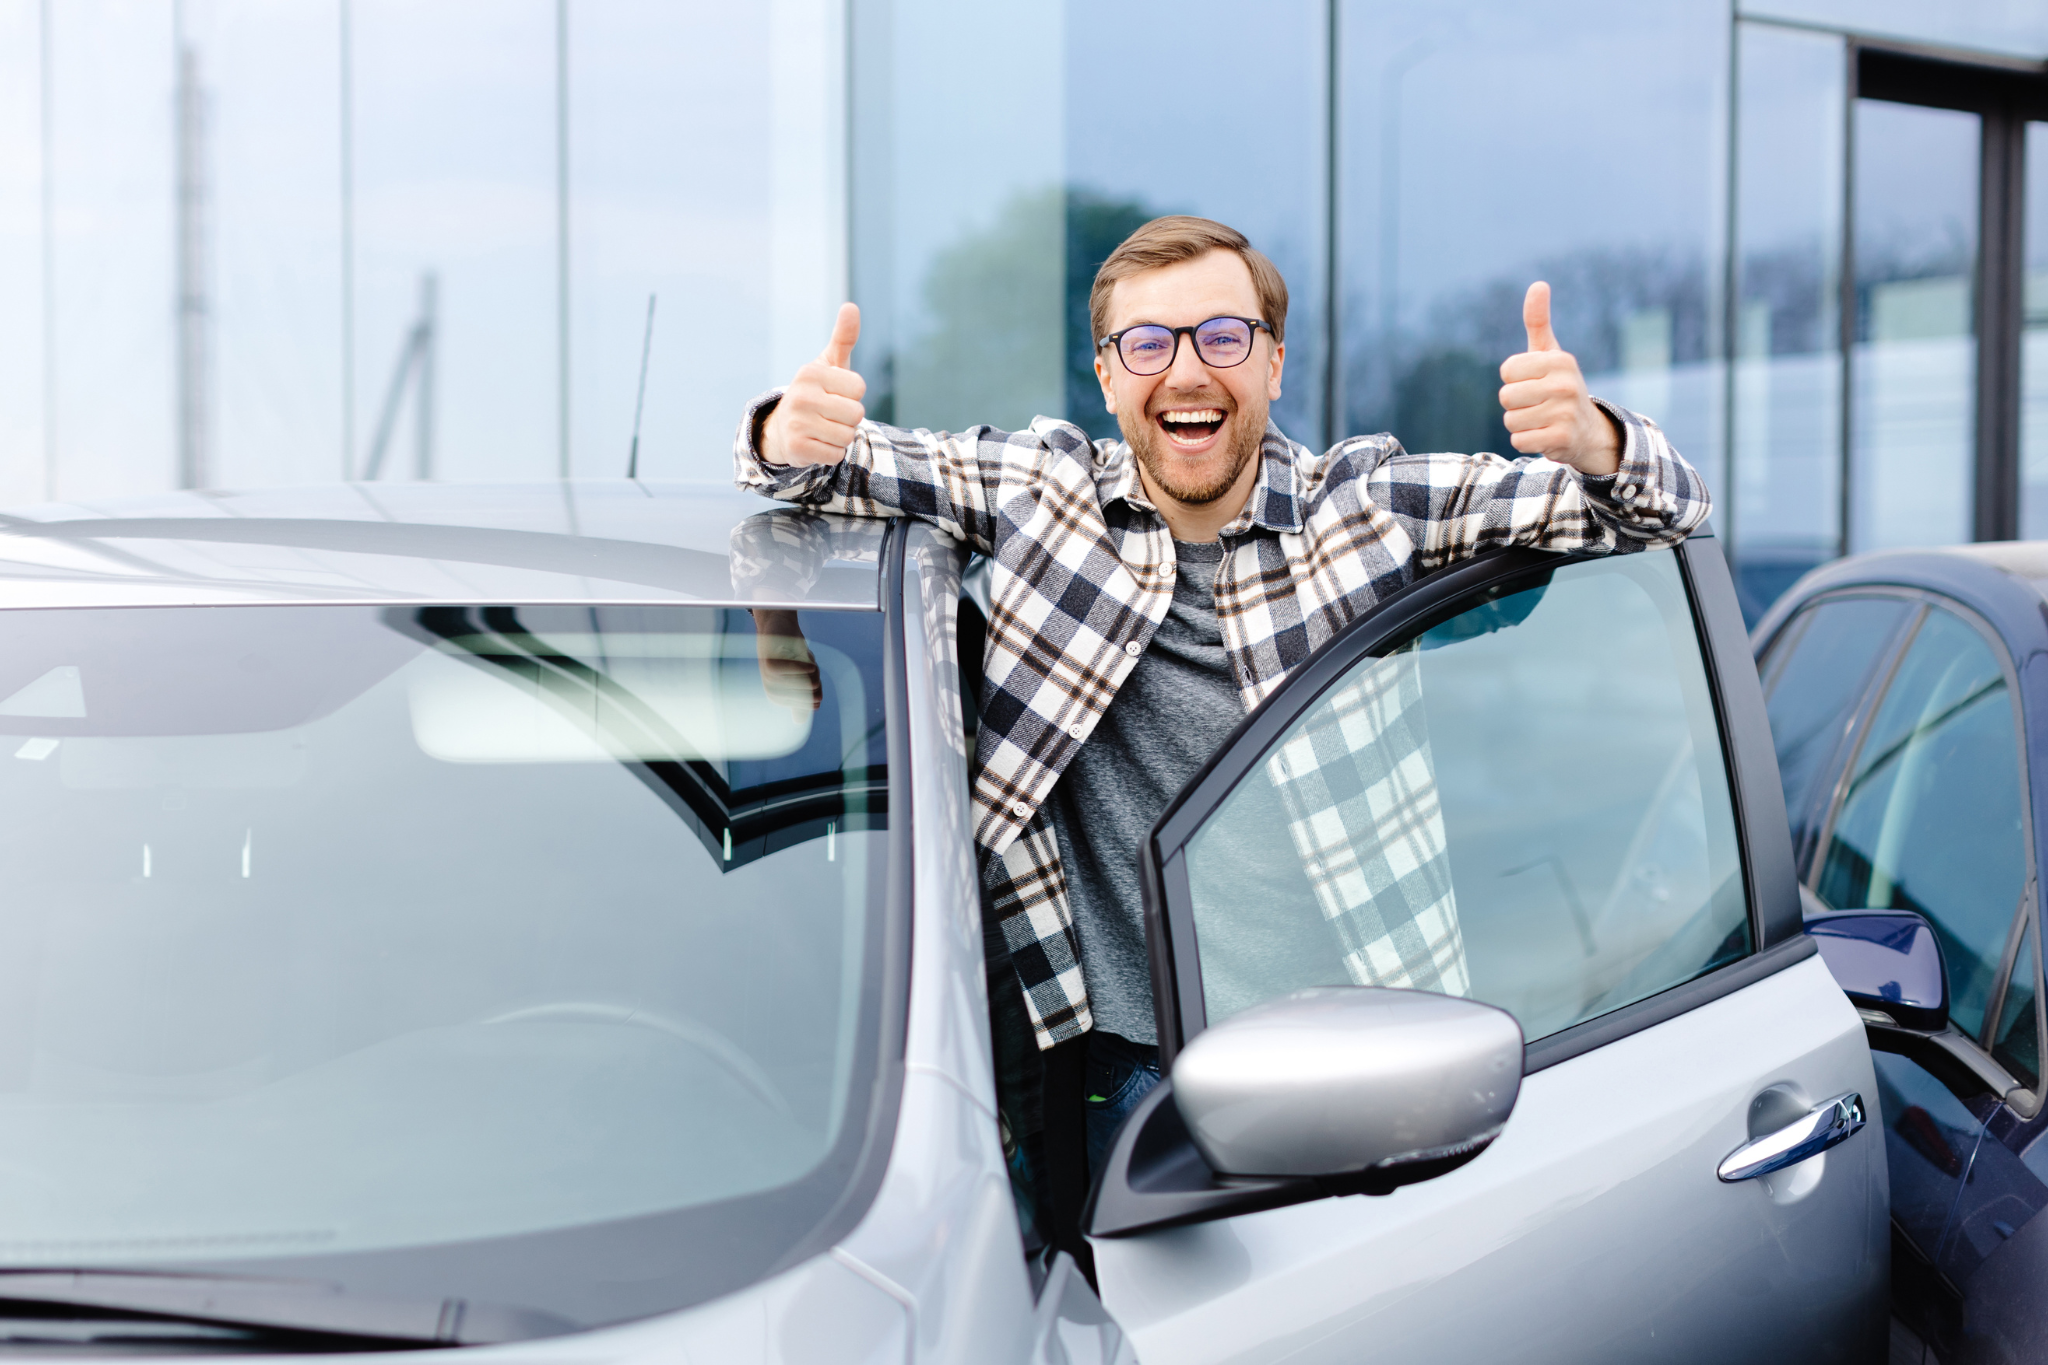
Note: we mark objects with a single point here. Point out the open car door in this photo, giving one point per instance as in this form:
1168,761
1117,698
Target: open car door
1545,784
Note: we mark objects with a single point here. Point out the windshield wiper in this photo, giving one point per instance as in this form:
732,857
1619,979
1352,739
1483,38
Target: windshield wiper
313,1314
103,1331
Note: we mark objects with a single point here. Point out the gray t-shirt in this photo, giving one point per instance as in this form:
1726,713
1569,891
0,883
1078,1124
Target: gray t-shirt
1171,714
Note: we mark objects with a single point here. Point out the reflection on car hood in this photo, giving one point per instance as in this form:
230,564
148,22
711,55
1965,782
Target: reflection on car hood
613,540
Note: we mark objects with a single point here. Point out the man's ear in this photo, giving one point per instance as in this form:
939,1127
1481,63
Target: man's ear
1273,376
1102,378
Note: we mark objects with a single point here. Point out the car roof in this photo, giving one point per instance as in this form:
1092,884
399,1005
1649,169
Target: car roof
2006,582
2027,559
569,541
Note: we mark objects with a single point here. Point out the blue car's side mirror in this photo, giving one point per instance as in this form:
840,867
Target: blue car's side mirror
1888,961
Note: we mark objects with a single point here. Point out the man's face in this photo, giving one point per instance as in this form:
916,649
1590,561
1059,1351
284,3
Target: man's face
1194,429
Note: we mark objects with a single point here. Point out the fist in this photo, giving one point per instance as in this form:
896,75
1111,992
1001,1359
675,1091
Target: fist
1549,412
820,411
789,675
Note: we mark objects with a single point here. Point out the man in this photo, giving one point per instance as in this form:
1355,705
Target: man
1147,592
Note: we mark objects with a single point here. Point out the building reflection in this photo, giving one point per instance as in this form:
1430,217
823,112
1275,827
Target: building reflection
365,239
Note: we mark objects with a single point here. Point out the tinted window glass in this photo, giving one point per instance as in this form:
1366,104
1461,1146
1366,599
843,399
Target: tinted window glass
1527,805
1813,675
2016,1042
1931,818
353,932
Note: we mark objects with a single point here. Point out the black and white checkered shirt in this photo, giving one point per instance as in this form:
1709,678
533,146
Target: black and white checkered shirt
1083,572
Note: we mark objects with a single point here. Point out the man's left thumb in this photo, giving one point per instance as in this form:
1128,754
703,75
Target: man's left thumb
1536,317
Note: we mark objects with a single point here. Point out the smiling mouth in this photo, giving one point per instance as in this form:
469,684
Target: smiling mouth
1191,426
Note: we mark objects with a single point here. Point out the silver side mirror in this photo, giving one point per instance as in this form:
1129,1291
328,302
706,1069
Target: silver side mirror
1341,1082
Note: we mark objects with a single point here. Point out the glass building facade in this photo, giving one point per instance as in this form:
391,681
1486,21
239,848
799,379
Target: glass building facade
245,242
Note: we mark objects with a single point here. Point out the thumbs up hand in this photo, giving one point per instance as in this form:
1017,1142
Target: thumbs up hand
820,411
1549,411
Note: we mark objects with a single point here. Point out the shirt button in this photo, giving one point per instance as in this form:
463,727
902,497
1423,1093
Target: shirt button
1019,809
1133,648
1075,730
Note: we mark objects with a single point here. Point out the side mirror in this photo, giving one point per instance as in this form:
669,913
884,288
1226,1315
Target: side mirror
1330,1091
1887,962
1350,1084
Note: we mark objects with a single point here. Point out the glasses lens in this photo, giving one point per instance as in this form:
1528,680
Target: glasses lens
1147,350
1223,342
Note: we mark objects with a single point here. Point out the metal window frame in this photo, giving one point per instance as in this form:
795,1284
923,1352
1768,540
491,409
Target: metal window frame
2007,93
2006,96
2024,1102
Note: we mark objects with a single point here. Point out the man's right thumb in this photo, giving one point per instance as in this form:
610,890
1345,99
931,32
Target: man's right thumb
838,352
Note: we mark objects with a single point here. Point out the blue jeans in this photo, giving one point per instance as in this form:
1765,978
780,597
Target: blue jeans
1118,1074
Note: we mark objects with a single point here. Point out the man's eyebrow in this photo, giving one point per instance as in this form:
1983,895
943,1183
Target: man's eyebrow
1154,322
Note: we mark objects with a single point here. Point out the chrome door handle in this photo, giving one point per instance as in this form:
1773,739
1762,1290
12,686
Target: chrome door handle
1819,1128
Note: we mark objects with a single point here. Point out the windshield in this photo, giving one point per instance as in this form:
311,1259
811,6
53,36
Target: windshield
517,954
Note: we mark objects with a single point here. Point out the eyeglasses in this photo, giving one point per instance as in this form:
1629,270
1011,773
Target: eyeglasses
1152,349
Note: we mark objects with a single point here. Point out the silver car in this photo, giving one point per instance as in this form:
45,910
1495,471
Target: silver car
542,922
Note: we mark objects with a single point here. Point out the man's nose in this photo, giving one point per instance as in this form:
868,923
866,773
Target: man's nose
1187,370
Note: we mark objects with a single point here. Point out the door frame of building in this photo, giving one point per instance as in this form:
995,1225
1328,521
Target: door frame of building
2006,94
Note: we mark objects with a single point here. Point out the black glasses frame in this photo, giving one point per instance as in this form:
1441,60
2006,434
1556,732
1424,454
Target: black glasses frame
1115,340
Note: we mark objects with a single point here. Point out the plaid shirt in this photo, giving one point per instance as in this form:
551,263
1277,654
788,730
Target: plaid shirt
1083,572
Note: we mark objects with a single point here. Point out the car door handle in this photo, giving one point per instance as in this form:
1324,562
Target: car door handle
1819,1128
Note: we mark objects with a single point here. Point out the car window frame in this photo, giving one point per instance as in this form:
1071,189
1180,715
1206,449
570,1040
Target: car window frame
1763,840
1983,1071
2024,1101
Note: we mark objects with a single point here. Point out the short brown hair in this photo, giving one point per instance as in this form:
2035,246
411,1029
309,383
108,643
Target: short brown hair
1177,238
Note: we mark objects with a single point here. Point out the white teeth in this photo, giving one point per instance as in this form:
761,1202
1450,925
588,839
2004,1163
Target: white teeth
1192,415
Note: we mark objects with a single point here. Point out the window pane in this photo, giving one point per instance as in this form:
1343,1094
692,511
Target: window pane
977,225
1931,821
686,183
1988,25
2034,344
1274,196
1784,492
2017,1043
1913,405
957,231
1812,678
1440,234
278,230
114,382
454,231
1527,805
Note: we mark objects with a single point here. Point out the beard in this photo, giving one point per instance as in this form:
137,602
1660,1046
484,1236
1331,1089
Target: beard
1221,467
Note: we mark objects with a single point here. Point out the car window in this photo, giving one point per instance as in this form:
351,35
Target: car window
2016,1042
1812,675
1526,804
1930,818
506,940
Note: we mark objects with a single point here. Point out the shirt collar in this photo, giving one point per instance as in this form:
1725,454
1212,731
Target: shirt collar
1274,504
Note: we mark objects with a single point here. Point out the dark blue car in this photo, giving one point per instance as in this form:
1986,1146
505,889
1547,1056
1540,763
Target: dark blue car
1908,698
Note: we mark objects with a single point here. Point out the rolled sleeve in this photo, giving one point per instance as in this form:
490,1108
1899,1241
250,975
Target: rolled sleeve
1451,506
751,471
1655,497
